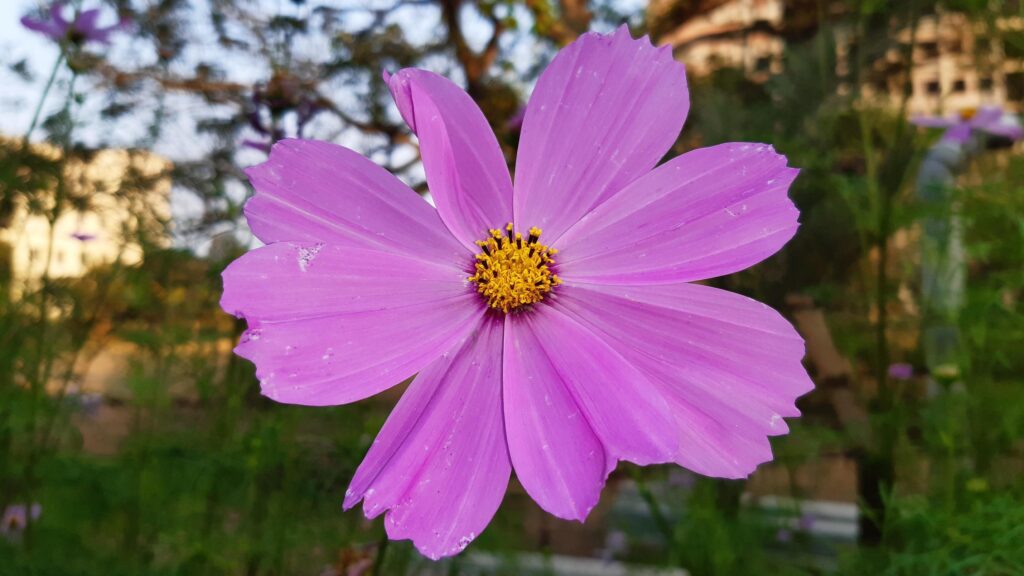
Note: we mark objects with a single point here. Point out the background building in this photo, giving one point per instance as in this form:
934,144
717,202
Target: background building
113,202
956,62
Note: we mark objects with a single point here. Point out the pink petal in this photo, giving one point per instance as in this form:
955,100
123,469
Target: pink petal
289,281
573,407
1010,131
730,367
466,171
985,116
57,14
86,21
440,464
331,325
50,28
933,121
310,191
959,133
707,213
603,114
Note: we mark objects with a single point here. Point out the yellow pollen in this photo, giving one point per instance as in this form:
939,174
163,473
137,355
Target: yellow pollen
968,113
512,271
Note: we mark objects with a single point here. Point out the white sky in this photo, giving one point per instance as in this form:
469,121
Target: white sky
178,140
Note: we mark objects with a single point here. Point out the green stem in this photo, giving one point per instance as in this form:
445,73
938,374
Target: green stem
664,526
44,360
382,549
42,98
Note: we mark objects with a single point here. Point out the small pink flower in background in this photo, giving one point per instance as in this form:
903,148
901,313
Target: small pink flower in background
83,236
553,325
616,544
991,120
16,518
901,371
83,29
806,522
281,94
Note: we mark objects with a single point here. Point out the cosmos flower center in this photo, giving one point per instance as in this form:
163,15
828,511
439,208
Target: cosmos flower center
511,271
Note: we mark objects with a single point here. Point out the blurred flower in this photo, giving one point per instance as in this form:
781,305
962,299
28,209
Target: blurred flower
89,403
83,29
83,236
284,93
991,120
556,369
901,371
16,518
616,543
784,535
806,522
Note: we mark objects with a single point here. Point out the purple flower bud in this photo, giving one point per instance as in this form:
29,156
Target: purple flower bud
901,371
16,518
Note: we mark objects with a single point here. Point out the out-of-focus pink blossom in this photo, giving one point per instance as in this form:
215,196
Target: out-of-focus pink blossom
991,120
83,236
82,29
16,518
901,371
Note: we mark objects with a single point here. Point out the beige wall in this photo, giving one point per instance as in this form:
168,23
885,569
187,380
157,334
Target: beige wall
949,72
114,217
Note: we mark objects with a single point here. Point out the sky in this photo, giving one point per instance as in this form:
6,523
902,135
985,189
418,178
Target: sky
18,98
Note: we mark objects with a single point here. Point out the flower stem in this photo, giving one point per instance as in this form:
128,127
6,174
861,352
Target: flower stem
664,526
42,97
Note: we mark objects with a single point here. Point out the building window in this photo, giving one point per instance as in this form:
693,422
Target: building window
983,45
1013,50
763,64
933,87
985,84
929,49
1015,86
959,86
33,254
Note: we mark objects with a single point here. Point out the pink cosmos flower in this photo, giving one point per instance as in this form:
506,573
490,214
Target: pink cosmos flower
84,28
991,120
552,324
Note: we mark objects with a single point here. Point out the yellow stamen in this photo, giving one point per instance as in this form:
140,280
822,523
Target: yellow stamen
967,113
512,271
